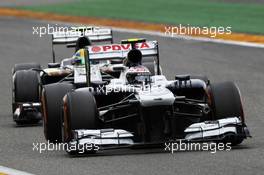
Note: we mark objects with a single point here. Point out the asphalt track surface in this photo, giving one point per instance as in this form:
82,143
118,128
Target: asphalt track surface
220,62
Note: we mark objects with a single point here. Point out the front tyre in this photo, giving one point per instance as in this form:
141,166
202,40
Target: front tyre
52,98
226,102
80,112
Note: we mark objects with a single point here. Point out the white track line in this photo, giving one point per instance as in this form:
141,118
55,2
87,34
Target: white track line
185,37
11,171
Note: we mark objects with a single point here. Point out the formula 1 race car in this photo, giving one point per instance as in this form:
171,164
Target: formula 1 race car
28,78
139,107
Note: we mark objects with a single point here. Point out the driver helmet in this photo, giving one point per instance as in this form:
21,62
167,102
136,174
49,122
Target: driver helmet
134,58
79,57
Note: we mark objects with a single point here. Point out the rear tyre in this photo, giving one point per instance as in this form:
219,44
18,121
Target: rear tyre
22,66
226,102
52,98
25,66
26,85
80,112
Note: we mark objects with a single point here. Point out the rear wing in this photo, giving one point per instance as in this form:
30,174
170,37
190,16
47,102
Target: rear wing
120,51
69,37
95,34
115,51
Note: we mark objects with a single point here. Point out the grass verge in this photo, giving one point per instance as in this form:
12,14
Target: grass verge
242,17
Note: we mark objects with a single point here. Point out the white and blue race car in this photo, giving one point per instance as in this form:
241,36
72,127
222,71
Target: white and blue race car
139,106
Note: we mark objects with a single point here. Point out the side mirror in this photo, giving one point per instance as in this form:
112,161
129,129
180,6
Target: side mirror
118,68
182,77
53,65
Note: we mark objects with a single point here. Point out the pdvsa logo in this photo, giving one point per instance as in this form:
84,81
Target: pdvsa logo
118,47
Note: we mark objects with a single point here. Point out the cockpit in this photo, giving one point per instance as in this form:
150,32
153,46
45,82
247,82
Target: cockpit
138,75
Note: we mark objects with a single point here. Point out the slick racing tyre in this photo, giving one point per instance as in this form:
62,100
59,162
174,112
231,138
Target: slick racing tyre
26,85
80,112
25,66
226,102
52,98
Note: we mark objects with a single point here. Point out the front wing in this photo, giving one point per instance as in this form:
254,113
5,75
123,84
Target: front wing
208,131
